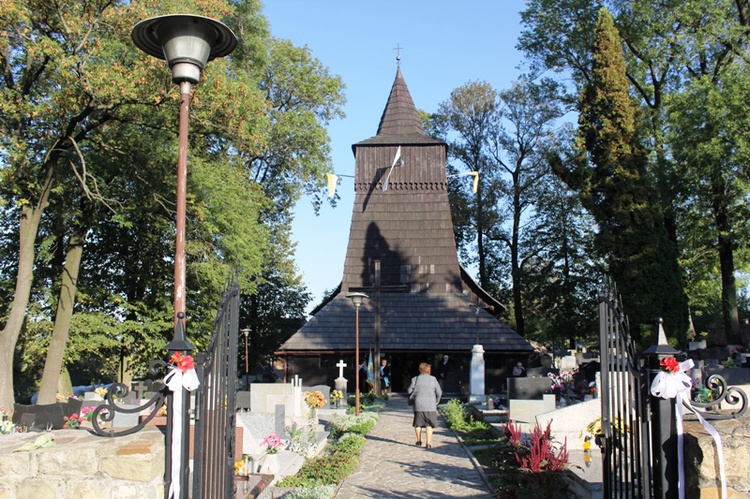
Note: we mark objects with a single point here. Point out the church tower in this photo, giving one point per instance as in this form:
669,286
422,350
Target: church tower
402,253
401,214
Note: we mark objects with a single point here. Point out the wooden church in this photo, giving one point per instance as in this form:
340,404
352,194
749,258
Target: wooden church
421,304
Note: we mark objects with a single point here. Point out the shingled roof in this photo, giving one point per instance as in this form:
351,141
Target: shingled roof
424,300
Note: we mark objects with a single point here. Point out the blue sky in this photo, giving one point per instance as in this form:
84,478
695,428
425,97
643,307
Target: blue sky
444,44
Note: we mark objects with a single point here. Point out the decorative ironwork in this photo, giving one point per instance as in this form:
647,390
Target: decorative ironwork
722,394
215,411
625,433
106,412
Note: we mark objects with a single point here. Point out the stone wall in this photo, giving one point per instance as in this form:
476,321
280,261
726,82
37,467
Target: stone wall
82,465
702,465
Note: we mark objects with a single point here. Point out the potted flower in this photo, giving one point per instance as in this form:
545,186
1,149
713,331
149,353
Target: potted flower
294,432
269,463
336,397
272,443
315,399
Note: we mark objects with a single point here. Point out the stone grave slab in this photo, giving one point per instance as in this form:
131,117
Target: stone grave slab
528,388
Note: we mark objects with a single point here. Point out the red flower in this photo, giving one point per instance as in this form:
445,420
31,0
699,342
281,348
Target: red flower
670,364
183,362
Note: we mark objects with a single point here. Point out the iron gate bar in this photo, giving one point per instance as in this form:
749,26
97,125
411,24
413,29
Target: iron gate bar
214,442
625,437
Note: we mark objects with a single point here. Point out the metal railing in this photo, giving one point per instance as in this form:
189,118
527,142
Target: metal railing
215,414
638,436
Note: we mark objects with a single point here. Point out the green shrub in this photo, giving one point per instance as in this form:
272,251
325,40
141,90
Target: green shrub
350,423
348,442
339,458
458,419
319,492
454,412
329,469
367,402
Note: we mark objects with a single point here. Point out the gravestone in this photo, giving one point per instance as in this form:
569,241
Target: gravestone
243,401
341,382
568,363
528,388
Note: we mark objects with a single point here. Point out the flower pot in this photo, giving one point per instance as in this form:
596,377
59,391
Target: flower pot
269,464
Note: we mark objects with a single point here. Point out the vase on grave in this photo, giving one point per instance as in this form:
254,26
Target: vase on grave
269,464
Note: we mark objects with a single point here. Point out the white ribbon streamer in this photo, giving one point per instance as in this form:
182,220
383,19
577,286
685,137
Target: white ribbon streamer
176,380
674,385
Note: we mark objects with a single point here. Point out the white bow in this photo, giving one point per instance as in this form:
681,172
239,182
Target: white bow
176,380
677,385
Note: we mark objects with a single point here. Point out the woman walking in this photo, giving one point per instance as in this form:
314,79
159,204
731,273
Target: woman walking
425,391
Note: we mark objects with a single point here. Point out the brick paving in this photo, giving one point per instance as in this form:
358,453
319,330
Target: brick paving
392,466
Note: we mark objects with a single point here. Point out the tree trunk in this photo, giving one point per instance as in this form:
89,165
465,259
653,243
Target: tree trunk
730,317
56,351
28,226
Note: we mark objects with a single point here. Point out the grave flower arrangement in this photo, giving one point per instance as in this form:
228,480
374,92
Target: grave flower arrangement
562,384
87,413
315,399
336,395
74,421
6,425
272,443
293,431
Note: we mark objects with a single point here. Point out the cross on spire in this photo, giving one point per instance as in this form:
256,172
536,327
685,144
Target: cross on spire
398,50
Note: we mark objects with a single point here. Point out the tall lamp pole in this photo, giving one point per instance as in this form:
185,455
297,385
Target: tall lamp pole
187,43
356,299
246,332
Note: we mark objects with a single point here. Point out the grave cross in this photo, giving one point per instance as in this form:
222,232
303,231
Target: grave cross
341,365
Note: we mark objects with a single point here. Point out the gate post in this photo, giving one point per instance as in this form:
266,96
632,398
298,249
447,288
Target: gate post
663,426
179,344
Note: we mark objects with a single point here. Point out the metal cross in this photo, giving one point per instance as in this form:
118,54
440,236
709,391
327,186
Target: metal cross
398,50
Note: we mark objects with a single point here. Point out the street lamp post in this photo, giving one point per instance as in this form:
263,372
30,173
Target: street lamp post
356,299
187,43
246,332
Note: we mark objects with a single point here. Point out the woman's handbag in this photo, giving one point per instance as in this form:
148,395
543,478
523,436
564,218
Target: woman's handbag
411,400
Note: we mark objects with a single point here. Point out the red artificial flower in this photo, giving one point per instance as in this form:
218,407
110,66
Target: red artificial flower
670,364
183,362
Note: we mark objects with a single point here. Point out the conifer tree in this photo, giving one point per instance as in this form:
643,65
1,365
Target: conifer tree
610,173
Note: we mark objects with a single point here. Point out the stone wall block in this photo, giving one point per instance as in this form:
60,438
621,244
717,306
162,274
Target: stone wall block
17,464
139,458
38,488
87,489
701,458
66,460
132,491
6,491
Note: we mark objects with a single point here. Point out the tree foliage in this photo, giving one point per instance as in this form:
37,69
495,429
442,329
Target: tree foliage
611,176
666,45
88,144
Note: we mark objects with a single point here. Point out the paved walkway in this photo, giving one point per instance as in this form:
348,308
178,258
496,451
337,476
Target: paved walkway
392,466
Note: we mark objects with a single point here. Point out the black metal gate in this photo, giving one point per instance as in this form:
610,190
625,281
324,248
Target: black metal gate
214,439
625,435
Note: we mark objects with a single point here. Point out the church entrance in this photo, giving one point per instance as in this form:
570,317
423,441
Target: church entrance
405,365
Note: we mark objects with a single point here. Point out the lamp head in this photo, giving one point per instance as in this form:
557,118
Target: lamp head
356,298
186,42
